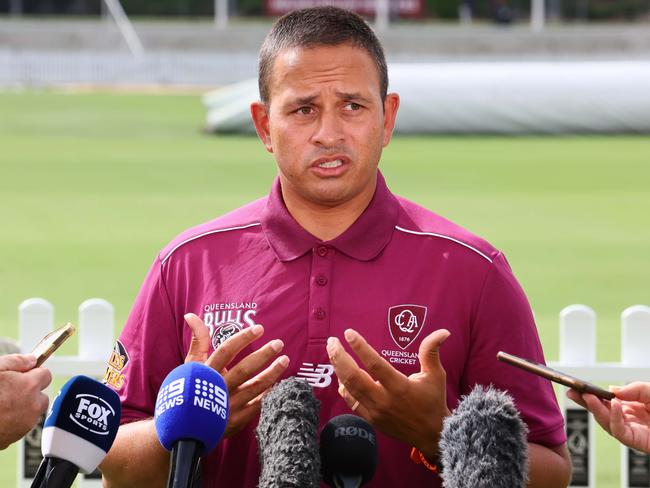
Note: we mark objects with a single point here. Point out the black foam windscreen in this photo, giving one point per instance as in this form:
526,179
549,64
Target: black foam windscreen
348,447
287,436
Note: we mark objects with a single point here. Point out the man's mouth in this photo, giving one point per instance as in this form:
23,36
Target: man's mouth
331,164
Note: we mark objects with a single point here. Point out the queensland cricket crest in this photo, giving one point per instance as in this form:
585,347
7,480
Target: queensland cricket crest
405,322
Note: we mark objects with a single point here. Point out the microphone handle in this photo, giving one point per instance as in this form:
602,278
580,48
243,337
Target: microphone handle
39,477
347,481
184,463
60,473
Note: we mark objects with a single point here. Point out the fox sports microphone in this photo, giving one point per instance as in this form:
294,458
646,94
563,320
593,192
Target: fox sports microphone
348,452
287,436
79,429
191,416
483,443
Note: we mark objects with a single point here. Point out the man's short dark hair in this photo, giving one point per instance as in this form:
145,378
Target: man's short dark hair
319,26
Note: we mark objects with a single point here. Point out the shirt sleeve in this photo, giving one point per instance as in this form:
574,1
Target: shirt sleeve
150,343
503,321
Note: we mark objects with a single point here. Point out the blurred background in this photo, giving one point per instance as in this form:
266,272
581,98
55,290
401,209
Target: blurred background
527,122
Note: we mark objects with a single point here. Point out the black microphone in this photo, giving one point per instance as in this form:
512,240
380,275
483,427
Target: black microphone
348,452
78,432
287,436
483,443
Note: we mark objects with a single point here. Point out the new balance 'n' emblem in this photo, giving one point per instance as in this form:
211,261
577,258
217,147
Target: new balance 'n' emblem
319,376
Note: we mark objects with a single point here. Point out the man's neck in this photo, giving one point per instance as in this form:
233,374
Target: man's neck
327,223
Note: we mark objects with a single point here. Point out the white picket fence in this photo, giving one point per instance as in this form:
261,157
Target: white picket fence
95,336
577,357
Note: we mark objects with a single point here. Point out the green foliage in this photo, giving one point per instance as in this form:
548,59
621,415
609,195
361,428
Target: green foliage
93,185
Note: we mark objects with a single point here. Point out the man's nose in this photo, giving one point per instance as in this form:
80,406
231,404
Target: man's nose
330,130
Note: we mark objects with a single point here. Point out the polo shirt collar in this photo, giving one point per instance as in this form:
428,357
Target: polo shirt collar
363,240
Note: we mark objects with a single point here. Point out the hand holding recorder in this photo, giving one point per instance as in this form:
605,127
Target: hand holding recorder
22,380
624,412
626,417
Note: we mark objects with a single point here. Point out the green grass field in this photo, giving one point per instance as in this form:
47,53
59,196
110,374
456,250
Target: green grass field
93,185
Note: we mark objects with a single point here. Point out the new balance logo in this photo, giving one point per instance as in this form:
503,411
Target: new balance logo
319,376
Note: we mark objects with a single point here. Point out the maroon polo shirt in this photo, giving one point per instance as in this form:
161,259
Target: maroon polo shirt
397,274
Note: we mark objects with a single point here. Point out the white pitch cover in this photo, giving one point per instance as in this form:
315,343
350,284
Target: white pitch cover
59,443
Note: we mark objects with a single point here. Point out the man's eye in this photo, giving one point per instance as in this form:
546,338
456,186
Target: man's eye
353,106
305,110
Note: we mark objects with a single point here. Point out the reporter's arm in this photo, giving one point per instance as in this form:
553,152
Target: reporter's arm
548,467
137,459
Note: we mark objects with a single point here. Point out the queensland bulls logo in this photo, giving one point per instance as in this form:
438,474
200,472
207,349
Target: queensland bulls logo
405,322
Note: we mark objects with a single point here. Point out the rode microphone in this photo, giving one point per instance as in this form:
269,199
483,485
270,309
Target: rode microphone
348,452
287,436
191,415
483,443
79,429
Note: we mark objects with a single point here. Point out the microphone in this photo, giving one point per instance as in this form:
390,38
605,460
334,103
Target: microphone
190,416
78,431
483,443
348,452
287,436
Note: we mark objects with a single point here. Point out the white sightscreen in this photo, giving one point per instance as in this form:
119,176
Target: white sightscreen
498,97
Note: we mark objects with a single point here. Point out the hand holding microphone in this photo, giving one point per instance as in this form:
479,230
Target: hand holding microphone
79,430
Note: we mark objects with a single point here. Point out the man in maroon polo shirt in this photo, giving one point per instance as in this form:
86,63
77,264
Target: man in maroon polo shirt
331,266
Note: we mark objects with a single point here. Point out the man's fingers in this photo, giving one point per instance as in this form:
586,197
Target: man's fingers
247,369
240,419
617,425
17,362
255,388
634,392
599,409
245,401
200,345
41,377
429,351
575,396
42,403
357,381
354,404
377,366
227,351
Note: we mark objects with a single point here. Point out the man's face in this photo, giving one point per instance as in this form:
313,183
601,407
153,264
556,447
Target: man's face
326,124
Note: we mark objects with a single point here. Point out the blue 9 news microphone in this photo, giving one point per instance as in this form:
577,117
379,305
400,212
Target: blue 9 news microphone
79,429
348,452
190,417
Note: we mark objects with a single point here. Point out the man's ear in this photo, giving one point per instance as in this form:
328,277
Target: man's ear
260,116
391,104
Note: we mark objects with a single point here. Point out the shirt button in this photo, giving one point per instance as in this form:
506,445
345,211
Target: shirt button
322,251
321,280
320,314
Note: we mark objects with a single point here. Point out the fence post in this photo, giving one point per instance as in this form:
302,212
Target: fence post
635,338
96,321
35,319
578,348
